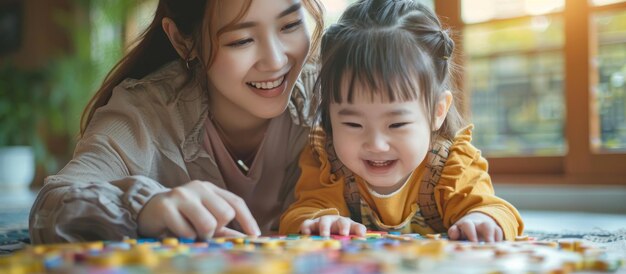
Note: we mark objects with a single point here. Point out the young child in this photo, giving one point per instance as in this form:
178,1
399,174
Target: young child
388,154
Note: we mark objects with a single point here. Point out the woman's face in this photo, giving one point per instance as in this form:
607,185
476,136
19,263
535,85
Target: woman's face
258,59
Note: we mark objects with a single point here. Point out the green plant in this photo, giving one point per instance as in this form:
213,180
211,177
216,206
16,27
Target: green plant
95,29
23,104
37,106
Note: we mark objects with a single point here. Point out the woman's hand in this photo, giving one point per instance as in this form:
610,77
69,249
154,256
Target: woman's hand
195,210
332,224
476,227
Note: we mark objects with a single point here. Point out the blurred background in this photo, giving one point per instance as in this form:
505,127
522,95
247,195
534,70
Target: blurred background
544,82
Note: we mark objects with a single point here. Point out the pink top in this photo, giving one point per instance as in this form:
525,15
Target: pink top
262,179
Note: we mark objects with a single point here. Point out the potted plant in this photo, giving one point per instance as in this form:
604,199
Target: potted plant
40,109
22,104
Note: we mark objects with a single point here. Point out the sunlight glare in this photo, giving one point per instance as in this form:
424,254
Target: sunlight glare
478,10
538,7
475,11
335,7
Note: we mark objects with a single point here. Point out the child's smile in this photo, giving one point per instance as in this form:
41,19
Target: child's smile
379,167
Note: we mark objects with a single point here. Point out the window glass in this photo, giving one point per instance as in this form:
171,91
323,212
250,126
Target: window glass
474,11
610,92
606,2
334,8
141,16
514,73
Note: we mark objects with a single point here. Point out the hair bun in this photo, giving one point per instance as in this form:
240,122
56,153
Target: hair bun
447,43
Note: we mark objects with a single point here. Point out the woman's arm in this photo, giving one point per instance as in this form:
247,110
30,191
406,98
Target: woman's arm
116,171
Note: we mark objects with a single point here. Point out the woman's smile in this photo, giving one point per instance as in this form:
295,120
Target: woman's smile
269,88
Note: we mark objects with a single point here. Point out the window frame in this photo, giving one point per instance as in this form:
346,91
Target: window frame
581,164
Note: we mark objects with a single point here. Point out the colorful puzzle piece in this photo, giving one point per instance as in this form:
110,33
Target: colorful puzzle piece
378,252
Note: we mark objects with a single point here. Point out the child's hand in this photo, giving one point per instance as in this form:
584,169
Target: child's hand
195,210
476,227
332,224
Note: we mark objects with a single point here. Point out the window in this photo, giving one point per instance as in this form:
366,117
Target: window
545,84
139,19
609,88
334,8
514,70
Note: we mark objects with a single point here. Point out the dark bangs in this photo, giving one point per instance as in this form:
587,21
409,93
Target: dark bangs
386,63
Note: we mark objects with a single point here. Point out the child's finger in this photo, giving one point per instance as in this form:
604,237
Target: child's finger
454,233
358,229
469,230
498,234
486,232
305,227
325,223
343,226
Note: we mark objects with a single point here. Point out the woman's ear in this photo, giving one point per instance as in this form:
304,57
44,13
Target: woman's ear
181,44
441,110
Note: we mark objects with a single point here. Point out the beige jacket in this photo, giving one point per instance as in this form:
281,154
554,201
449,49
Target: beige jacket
146,140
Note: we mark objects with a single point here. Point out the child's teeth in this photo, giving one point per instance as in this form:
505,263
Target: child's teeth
380,163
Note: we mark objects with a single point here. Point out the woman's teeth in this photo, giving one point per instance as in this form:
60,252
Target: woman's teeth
267,85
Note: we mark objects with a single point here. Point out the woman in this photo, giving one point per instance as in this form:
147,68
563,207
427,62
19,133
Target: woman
188,136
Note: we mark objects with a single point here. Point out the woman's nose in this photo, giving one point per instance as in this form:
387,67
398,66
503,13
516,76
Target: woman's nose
274,56
376,142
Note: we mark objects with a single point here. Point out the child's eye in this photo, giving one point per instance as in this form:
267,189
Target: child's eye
240,43
398,125
292,26
352,125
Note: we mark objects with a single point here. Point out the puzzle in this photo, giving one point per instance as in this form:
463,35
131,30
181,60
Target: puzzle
378,252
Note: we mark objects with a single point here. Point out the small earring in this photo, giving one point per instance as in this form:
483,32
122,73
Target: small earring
187,63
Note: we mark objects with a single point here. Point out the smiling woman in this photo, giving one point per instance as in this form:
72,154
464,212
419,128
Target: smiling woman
166,138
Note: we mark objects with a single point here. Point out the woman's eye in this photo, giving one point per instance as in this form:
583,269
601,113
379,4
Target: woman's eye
240,43
352,125
292,26
397,125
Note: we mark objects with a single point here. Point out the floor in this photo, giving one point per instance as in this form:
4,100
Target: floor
573,198
14,208
559,221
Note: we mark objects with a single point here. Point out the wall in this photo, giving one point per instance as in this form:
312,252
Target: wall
41,36
580,198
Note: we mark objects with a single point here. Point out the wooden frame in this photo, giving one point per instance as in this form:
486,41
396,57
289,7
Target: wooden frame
581,164
11,17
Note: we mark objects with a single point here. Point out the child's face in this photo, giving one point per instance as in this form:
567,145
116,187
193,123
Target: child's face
259,60
381,142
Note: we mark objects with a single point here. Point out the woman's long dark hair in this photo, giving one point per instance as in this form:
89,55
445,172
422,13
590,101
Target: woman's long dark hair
155,50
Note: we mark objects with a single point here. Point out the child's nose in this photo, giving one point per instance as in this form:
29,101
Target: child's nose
376,142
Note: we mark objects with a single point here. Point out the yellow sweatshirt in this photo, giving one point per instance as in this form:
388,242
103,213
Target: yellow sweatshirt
464,187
